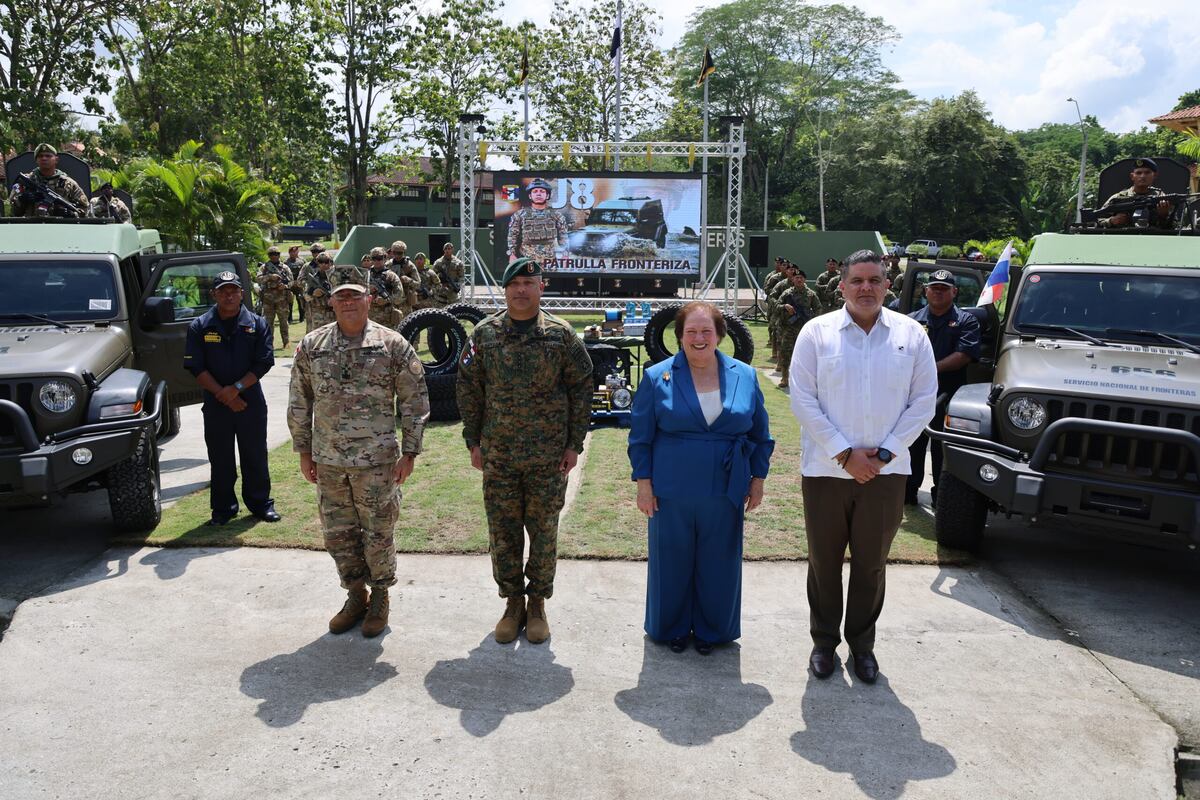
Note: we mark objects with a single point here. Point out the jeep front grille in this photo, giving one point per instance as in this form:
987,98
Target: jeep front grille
21,393
1128,458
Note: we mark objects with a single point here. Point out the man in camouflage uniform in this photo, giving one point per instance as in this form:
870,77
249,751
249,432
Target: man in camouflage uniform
300,281
317,291
537,231
796,307
524,390
105,205
347,382
430,284
51,177
770,283
773,302
1145,170
387,292
894,273
824,291
450,271
295,265
402,265
272,285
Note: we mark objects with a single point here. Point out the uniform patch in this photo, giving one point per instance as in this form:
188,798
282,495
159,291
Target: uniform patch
212,336
415,366
468,354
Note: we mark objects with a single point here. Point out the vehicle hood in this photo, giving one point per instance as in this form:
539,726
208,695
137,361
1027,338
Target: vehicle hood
605,228
46,350
1134,372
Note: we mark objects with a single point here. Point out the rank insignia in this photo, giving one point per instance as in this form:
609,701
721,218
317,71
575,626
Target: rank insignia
212,337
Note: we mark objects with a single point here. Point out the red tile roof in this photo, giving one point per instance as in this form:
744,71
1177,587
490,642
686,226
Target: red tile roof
1182,114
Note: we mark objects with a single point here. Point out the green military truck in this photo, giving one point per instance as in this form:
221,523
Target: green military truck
93,320
1087,408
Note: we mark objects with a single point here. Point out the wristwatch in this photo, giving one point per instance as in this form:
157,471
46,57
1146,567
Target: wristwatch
884,455
239,386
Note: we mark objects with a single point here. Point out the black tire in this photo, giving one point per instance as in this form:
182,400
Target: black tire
961,514
439,346
174,420
443,397
134,488
664,318
607,359
436,321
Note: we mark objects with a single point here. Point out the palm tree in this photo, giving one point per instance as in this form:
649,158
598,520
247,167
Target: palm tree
794,222
171,194
243,206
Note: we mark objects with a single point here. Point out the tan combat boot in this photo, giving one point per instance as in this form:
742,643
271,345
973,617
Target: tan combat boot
513,620
537,630
352,611
377,613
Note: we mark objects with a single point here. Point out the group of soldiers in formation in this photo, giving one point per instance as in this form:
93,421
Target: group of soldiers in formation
398,285
791,303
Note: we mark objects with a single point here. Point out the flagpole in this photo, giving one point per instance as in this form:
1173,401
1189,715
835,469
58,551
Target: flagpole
525,82
525,86
704,187
620,48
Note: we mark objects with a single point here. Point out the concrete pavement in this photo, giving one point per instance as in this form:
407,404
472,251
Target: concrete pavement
207,673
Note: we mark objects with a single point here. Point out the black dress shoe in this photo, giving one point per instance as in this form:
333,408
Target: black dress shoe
219,519
866,667
269,514
823,661
678,645
704,648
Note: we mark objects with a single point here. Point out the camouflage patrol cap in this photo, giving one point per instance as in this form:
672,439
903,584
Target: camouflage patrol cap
421,256
349,278
45,148
272,250
378,252
399,245
941,277
1145,163
317,247
522,267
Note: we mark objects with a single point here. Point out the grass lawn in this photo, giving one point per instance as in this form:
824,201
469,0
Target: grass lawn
442,509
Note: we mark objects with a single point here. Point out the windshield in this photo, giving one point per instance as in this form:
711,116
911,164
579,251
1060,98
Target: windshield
1093,303
60,290
611,216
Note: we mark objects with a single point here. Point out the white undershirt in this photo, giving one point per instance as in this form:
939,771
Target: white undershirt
710,404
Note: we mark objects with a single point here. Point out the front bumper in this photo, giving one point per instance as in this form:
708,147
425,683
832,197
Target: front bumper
1031,486
38,469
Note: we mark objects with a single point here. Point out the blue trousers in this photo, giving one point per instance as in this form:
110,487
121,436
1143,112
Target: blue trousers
694,583
248,428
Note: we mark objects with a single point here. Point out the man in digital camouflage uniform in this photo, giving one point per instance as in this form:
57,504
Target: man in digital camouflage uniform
769,283
430,284
1145,170
348,381
796,306
773,301
386,290
272,284
51,177
402,265
825,292
537,231
317,293
450,271
106,205
295,265
524,391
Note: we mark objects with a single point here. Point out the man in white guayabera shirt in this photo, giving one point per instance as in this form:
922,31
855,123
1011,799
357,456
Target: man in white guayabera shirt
863,385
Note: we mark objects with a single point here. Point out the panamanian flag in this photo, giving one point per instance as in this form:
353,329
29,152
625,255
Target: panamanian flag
995,291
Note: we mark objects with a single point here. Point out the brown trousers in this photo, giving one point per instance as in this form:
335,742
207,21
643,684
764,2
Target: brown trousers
840,513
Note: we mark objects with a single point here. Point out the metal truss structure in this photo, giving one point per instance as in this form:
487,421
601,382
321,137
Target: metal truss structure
473,151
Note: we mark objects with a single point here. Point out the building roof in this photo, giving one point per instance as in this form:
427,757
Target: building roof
413,174
1183,119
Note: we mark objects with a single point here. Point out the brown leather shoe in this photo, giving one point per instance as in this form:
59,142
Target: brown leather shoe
823,661
354,610
866,667
377,613
537,628
513,620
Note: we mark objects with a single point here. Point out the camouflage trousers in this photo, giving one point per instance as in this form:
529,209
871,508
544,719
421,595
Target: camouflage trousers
787,344
280,310
359,507
520,497
319,315
542,250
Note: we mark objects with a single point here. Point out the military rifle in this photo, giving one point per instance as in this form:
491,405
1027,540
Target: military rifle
46,201
1140,209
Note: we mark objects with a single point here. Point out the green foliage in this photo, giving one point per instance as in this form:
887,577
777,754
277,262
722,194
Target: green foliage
918,250
950,251
794,222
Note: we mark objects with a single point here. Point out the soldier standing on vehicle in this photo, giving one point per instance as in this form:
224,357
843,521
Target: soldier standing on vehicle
272,285
450,271
49,176
317,292
105,205
429,283
348,382
229,350
524,390
537,231
294,264
954,335
1145,170
795,308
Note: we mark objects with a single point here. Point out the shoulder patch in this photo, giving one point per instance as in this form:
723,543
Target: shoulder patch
415,366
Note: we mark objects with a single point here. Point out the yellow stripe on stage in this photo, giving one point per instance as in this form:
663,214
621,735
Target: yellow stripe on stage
566,153
691,155
483,150
523,154
649,155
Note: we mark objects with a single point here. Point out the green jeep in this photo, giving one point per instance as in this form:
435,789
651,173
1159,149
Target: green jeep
93,318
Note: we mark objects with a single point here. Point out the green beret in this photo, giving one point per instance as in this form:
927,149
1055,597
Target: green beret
45,148
522,266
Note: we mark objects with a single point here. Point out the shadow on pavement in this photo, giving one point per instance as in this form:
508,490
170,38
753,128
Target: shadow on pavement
329,669
496,680
177,464
172,563
868,734
692,699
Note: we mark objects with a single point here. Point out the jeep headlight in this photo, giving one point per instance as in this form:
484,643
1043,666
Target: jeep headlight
622,398
1026,413
57,396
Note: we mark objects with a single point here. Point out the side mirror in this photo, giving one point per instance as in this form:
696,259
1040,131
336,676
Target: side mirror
158,311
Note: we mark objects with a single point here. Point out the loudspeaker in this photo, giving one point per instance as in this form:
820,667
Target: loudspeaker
758,251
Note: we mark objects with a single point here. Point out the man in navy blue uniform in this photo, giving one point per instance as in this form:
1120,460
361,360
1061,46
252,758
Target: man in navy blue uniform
955,337
229,349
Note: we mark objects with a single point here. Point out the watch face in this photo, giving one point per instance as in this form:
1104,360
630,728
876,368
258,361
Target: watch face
885,455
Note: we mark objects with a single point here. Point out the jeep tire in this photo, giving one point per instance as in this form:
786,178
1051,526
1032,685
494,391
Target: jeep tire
439,344
961,514
133,488
438,325
443,397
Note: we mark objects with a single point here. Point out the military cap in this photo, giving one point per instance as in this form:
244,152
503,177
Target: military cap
447,244
349,278
228,278
539,183
323,258
941,277
317,247
1145,163
399,245
45,148
420,255
272,250
522,267
378,252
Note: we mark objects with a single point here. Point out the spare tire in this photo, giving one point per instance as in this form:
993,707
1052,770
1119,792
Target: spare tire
664,318
607,359
439,345
438,323
443,397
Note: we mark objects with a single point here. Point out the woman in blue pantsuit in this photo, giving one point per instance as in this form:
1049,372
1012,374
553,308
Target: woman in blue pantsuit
700,447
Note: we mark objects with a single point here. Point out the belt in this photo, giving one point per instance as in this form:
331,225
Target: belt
736,459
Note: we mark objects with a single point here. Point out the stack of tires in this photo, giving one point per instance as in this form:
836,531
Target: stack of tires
444,330
664,320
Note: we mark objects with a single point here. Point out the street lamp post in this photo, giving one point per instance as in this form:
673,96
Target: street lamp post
1082,164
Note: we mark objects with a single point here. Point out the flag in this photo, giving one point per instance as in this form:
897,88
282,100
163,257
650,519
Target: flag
707,69
995,290
616,42
524,63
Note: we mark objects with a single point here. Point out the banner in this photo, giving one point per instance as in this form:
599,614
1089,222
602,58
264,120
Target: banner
599,223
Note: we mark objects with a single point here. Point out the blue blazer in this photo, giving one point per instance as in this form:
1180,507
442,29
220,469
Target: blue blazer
670,443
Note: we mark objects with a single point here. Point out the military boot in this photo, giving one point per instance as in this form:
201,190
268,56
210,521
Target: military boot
537,630
377,613
513,620
352,611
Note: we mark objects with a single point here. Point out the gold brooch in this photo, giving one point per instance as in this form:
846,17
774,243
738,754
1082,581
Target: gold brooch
667,377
